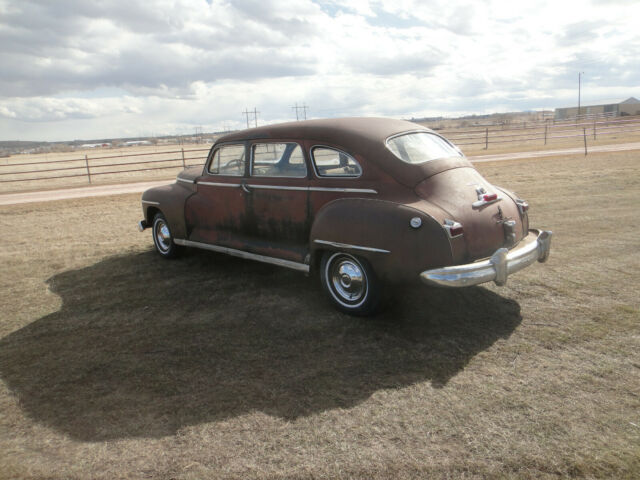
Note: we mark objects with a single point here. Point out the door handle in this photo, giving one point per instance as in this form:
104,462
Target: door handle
245,188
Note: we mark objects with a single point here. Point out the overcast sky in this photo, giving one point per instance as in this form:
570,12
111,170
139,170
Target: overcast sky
85,69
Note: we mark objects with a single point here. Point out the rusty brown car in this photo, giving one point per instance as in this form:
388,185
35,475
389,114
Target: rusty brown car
361,201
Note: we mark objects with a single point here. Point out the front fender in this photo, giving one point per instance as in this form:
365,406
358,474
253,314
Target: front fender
170,200
381,232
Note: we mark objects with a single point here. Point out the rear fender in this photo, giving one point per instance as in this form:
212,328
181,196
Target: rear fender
382,232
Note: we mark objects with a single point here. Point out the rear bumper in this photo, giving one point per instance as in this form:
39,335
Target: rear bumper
142,224
534,247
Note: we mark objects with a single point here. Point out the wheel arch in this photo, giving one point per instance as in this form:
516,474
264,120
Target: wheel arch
168,200
380,231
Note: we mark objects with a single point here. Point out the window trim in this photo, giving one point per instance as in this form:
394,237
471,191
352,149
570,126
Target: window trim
220,146
315,168
251,150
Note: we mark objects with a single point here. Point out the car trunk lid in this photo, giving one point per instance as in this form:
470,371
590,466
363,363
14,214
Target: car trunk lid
490,218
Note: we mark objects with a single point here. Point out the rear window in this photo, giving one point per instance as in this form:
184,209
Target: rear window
421,147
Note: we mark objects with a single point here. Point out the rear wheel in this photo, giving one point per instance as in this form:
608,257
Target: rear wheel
350,283
162,238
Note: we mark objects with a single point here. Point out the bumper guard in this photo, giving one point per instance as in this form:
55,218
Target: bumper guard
503,262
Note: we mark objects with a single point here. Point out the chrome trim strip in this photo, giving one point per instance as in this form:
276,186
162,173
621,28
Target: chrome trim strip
313,189
345,190
497,268
184,180
301,267
355,247
217,184
149,202
276,187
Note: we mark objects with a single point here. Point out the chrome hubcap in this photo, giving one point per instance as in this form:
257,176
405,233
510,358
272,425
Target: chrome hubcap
163,236
348,279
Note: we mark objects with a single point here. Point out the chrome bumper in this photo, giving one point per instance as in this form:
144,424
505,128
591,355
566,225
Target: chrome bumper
142,224
502,263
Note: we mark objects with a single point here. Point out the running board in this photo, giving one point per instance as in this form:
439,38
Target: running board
301,267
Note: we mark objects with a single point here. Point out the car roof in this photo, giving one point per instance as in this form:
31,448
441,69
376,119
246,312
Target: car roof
348,132
360,136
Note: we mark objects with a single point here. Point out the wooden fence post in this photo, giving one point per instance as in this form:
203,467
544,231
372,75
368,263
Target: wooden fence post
183,164
486,139
545,133
584,131
86,161
594,128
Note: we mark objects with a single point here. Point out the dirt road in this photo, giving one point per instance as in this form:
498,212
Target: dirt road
550,153
63,194
103,190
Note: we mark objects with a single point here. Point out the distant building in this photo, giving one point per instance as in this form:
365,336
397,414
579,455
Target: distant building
95,145
631,106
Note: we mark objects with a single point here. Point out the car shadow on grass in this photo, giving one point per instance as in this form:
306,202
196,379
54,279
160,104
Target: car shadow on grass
142,347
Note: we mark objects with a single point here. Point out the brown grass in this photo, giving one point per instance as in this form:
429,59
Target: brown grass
118,364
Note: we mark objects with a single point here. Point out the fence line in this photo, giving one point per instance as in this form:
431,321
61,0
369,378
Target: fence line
450,132
90,170
91,167
493,137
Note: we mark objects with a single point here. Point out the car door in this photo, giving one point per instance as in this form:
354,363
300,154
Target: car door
215,214
276,200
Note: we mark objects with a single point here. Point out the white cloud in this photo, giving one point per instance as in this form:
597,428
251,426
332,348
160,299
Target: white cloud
111,68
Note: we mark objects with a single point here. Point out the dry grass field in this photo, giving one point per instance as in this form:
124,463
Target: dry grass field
117,364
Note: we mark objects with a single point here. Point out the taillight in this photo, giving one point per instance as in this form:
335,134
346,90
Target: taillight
490,197
453,228
484,198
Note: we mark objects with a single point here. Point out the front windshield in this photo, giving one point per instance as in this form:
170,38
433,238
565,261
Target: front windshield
420,147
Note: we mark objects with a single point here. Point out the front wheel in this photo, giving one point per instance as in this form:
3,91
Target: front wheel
162,238
350,283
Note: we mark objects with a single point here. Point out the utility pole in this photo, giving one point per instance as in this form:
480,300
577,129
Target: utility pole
296,109
302,107
579,82
255,113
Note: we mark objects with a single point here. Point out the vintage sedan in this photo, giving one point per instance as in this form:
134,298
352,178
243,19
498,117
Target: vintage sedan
361,201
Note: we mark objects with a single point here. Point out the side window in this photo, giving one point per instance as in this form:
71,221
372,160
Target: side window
278,160
228,160
330,162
